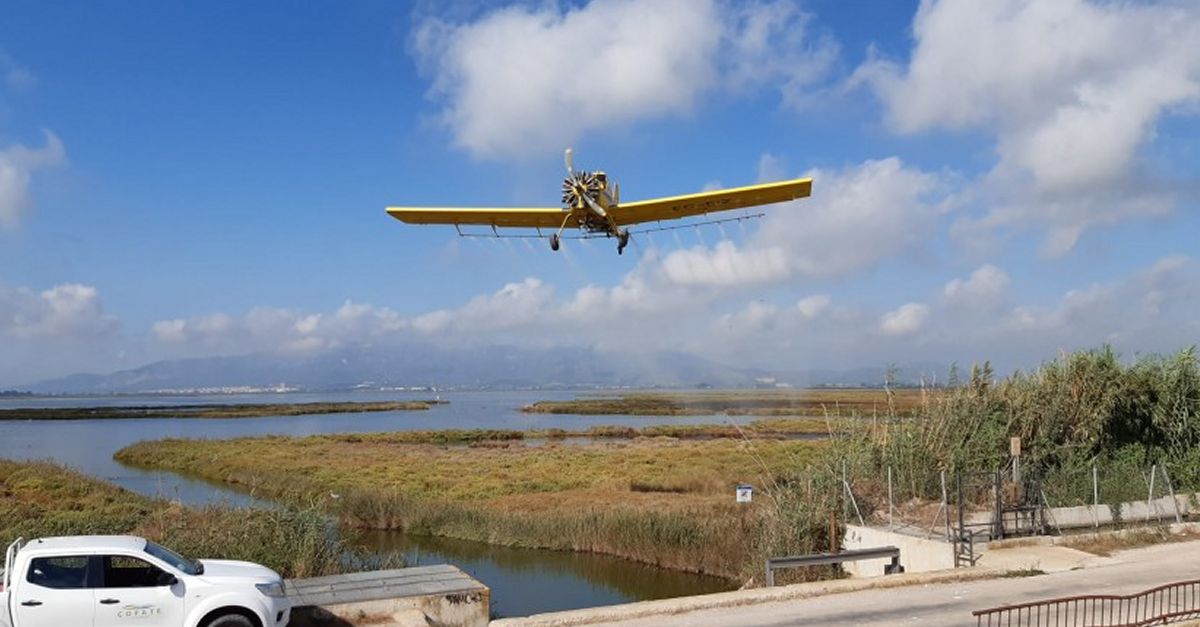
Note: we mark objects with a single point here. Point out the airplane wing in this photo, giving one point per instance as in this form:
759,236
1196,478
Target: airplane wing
709,202
527,217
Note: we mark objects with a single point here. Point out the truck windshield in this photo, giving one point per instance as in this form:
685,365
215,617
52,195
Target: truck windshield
184,565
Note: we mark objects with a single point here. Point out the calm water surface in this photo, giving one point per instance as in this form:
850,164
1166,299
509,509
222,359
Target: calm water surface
523,581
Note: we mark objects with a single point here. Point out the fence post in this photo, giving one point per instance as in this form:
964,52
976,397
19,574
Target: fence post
1095,498
1150,495
946,505
999,518
1171,491
891,507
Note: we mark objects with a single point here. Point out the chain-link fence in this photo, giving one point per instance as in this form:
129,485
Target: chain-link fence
1018,501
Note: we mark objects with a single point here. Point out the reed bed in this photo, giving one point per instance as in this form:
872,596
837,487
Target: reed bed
43,499
660,500
816,402
1085,409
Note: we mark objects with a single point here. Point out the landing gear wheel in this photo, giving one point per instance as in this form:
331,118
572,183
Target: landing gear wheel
622,241
555,241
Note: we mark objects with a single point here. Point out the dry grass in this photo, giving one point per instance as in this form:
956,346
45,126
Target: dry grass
42,499
1105,544
818,402
660,500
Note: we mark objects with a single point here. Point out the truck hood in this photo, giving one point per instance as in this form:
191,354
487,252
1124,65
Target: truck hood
230,570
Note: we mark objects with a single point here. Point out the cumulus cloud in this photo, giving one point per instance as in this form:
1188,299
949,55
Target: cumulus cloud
274,329
983,288
812,306
513,305
856,217
1071,89
17,165
726,265
528,79
68,312
971,317
905,320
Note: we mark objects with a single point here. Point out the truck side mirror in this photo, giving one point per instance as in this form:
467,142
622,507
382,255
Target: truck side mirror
167,579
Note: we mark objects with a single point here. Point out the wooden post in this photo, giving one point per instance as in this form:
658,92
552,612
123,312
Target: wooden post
1095,498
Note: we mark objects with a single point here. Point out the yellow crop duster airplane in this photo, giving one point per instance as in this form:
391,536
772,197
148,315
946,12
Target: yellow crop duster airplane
592,203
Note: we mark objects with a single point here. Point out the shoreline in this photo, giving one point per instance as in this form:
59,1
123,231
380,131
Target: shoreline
209,411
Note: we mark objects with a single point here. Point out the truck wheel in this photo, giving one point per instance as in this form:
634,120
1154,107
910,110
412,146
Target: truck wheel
230,620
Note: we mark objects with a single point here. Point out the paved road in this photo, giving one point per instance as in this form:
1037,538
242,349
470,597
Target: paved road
952,603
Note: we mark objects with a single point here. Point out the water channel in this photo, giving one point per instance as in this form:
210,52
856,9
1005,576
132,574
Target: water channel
523,581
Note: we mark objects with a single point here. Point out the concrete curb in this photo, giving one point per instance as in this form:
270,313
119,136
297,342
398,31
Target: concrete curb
669,607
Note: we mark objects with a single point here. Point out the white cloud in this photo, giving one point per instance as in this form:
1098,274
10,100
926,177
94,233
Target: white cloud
273,329
513,305
525,80
906,320
68,312
967,318
983,288
856,217
17,165
812,306
726,265
1071,89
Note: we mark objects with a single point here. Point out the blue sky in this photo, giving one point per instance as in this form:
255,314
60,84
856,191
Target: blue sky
195,179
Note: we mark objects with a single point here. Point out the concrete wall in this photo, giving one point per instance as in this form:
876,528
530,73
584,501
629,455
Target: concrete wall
917,554
1160,509
440,610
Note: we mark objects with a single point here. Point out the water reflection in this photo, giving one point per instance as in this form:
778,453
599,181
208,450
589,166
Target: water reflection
527,581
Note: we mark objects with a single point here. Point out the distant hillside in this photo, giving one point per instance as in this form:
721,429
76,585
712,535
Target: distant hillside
491,367
428,365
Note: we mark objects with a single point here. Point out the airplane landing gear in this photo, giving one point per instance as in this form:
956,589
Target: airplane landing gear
555,241
622,241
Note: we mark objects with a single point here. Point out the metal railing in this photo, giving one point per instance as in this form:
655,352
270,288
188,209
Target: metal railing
1157,606
817,559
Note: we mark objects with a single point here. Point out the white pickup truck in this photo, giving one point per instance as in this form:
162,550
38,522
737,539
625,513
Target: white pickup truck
107,581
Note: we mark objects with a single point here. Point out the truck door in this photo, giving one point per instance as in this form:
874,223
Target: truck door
136,592
55,593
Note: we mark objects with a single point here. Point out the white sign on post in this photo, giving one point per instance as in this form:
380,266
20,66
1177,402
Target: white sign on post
744,493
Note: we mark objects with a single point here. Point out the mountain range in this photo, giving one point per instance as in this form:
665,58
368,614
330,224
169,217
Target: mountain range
429,365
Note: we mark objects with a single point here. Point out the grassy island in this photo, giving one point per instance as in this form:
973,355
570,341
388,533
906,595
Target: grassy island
775,402
638,494
243,410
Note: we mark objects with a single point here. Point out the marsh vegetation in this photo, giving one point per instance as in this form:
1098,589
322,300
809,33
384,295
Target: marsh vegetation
43,499
244,410
663,495
661,500
819,402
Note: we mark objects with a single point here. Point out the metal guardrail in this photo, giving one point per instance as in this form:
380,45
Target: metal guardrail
817,559
1156,606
